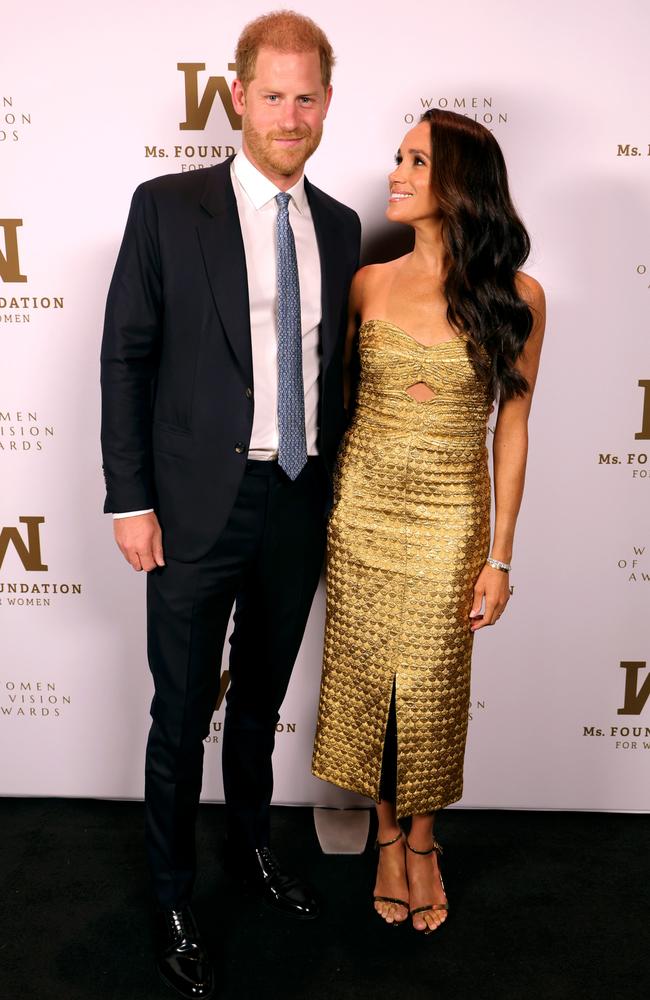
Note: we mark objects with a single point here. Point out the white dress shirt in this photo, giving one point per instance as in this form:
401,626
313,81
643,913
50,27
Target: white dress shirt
258,212
257,208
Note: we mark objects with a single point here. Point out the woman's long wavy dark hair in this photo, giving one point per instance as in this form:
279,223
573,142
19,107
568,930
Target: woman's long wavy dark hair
486,244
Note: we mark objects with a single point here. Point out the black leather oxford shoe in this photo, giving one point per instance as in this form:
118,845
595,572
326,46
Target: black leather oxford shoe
181,958
261,869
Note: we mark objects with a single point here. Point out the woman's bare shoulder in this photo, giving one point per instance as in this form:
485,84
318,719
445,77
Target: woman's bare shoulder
372,272
530,291
371,275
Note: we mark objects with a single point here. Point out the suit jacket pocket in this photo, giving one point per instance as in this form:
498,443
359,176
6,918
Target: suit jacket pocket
171,440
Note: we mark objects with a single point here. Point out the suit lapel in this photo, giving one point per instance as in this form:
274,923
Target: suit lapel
225,263
332,273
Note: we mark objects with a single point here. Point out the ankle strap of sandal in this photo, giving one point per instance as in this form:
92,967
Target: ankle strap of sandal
435,847
387,843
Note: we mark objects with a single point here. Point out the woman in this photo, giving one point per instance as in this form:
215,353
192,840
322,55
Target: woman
443,332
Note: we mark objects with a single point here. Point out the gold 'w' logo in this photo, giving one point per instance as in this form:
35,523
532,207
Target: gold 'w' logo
198,110
223,687
9,260
29,553
635,696
644,433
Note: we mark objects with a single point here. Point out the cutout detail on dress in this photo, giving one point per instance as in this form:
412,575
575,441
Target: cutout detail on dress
420,392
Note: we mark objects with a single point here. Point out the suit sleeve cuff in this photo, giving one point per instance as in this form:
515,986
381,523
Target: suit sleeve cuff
132,513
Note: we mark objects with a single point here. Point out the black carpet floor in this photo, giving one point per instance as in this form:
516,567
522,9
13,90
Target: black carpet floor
543,905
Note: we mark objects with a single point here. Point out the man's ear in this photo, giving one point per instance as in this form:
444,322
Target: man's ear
328,100
238,96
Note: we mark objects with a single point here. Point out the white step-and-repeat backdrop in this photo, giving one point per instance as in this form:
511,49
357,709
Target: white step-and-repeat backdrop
94,99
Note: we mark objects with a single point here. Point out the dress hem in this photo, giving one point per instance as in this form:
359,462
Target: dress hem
357,790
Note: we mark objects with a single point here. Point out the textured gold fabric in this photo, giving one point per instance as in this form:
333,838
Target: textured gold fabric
408,536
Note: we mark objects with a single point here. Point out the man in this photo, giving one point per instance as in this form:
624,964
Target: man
222,411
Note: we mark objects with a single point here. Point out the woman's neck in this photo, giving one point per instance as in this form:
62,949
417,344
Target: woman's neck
429,252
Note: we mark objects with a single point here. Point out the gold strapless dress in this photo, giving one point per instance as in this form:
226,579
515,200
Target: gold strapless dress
408,536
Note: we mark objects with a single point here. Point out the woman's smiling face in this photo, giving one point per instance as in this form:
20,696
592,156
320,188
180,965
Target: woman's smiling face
411,197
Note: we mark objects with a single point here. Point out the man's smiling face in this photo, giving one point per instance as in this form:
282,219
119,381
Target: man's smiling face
283,110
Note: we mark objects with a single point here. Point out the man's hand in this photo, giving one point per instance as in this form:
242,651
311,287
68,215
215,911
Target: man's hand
139,539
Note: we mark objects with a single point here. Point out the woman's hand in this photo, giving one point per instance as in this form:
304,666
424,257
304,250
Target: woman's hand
493,587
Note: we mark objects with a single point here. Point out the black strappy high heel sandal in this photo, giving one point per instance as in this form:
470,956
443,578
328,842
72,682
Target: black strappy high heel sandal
390,899
429,906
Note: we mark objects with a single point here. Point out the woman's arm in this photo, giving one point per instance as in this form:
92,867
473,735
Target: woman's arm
354,313
510,450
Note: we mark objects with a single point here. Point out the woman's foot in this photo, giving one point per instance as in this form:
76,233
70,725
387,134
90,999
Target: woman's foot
425,886
391,881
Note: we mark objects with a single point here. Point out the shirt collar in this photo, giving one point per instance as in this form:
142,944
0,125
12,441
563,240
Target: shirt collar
259,189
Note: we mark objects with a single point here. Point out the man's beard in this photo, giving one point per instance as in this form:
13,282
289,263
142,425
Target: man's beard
286,161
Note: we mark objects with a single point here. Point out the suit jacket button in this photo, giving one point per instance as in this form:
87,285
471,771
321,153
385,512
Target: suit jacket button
240,448
249,393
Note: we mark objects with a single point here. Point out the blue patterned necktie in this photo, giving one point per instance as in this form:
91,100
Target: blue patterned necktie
292,448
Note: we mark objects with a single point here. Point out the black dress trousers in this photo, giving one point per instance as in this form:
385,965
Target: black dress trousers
266,563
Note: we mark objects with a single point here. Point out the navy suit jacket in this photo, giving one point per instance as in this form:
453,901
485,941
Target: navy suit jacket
176,361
